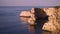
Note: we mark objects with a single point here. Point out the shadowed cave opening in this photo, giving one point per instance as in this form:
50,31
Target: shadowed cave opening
41,17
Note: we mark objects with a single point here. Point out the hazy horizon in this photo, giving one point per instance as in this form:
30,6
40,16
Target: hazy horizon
29,2
26,6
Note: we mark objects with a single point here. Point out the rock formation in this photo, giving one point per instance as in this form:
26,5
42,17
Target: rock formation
53,21
54,15
32,19
28,16
25,13
24,16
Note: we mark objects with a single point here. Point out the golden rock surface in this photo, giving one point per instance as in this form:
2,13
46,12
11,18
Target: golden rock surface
53,22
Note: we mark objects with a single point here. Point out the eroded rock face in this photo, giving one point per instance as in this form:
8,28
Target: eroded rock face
54,15
28,16
39,13
49,27
49,11
53,22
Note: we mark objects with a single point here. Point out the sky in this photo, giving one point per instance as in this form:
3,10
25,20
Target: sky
29,2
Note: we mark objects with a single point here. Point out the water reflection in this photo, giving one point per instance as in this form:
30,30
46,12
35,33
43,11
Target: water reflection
31,29
24,19
36,29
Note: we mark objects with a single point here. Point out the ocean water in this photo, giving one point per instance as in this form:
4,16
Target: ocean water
10,22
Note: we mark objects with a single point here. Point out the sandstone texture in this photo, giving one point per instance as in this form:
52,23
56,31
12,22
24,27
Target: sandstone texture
54,15
28,16
53,21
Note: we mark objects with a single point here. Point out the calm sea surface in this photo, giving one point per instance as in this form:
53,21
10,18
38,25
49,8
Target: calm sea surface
10,22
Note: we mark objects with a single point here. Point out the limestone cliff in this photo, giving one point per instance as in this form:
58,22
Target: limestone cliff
53,22
54,18
51,16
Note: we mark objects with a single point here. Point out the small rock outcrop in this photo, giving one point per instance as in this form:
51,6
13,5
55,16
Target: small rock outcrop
25,13
28,16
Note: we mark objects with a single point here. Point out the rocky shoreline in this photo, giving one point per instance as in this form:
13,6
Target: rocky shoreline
53,21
